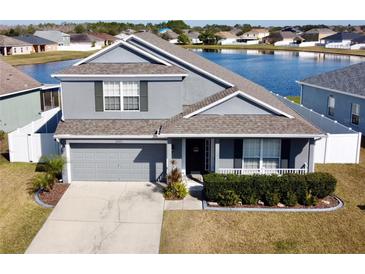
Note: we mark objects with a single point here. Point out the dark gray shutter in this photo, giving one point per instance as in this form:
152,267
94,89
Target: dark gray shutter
143,95
237,162
99,104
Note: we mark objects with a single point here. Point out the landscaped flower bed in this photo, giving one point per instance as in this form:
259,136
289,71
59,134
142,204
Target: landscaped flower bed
312,190
52,196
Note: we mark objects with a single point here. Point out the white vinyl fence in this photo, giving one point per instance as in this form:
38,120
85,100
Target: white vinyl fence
31,142
340,144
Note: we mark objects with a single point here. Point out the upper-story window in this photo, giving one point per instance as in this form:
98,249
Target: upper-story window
121,96
331,106
130,95
112,98
355,113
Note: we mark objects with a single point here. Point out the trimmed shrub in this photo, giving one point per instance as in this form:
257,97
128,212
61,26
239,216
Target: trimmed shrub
321,184
289,189
43,181
176,190
228,198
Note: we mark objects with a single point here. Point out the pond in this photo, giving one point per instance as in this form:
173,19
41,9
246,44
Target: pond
275,70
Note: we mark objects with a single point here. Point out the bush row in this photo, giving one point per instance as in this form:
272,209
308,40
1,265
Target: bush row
288,189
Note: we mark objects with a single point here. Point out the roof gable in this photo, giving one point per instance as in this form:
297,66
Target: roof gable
237,105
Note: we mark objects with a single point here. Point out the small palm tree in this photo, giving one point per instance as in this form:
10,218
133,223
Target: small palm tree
54,165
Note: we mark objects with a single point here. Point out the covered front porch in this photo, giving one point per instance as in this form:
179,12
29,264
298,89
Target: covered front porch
242,156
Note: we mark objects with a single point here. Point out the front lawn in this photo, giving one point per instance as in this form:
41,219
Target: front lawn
341,231
20,216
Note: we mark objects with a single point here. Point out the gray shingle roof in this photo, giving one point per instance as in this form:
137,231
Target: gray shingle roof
131,68
343,36
9,41
13,80
35,40
350,79
108,127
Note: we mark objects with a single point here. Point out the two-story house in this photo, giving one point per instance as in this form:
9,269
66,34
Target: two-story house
339,94
134,106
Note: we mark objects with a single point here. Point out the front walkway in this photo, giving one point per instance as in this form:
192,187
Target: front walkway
103,217
194,200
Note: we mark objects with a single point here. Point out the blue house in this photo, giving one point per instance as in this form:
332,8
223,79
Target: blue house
339,94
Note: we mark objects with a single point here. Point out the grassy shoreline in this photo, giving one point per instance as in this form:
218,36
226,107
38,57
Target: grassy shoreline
360,53
45,57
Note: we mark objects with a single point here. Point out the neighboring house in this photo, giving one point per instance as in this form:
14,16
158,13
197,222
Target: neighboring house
85,41
283,38
339,94
107,38
39,44
227,38
22,99
317,34
194,37
124,34
342,40
134,106
61,38
12,46
358,43
255,34
170,36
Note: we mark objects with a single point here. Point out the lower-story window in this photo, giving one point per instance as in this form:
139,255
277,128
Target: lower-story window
355,114
261,153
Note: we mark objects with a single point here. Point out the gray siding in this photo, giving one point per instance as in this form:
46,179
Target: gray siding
19,110
316,99
120,55
299,153
177,152
237,105
164,101
195,86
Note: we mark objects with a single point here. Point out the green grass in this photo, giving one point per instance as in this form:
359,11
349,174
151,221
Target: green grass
20,216
282,48
45,57
341,231
295,99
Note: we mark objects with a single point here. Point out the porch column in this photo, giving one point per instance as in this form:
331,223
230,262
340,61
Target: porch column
212,155
310,165
216,158
168,155
183,156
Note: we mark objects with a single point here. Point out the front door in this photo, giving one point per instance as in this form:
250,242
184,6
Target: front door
195,155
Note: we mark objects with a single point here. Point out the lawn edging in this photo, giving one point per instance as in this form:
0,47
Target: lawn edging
247,209
39,201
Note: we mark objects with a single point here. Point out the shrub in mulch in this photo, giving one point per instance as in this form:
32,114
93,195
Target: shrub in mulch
307,190
52,196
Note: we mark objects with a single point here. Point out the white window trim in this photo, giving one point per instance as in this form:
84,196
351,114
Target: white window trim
355,114
122,98
261,159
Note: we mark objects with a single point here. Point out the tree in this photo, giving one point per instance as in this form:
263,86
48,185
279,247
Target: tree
80,29
208,38
183,39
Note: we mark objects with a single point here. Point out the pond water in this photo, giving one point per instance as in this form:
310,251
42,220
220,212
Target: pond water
275,70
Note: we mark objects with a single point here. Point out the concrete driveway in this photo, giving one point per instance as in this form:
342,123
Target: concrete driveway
103,217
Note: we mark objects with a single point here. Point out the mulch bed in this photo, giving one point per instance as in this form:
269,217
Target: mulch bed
327,202
53,196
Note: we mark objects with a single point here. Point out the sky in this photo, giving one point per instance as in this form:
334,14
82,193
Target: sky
264,23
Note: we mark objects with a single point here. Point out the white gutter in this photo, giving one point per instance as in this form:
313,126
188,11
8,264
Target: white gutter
20,91
330,89
70,136
212,135
117,75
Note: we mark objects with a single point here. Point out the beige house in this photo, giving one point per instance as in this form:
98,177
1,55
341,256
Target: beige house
255,34
11,46
321,32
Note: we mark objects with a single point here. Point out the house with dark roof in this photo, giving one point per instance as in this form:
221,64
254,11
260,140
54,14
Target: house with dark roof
339,95
39,44
342,40
22,98
283,38
133,107
12,46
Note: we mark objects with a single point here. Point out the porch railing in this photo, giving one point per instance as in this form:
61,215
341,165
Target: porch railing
267,171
